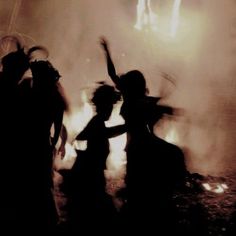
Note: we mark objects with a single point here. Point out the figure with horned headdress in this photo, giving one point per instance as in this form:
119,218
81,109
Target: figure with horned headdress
28,118
14,65
49,105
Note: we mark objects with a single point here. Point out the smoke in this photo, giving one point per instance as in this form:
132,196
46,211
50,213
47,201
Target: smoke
205,87
200,59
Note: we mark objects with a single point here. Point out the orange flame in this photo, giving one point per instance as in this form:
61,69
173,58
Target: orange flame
75,124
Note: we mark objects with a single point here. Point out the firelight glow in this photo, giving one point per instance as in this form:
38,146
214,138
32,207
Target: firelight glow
175,18
145,16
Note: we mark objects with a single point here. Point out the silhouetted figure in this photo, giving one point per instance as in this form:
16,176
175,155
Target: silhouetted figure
48,106
154,167
90,207
14,65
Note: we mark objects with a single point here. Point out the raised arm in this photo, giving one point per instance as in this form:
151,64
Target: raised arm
88,131
111,132
110,65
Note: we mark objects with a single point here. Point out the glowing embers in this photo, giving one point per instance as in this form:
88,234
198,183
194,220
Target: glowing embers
215,187
146,18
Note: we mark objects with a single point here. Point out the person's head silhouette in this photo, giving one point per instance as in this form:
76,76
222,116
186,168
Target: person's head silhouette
15,64
132,85
44,74
103,98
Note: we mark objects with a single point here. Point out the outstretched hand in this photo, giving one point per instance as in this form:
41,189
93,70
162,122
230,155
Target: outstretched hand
110,65
104,43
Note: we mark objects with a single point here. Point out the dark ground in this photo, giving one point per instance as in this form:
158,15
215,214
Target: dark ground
199,210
